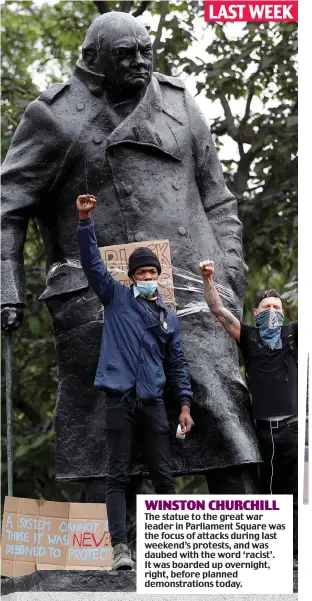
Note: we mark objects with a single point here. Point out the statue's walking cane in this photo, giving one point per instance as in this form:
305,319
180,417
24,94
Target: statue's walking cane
8,378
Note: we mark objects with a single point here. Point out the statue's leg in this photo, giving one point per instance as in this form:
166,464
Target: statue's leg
234,480
79,419
95,490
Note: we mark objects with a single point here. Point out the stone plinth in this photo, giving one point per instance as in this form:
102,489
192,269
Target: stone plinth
71,581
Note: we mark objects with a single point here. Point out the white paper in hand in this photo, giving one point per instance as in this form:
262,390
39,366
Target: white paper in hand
179,433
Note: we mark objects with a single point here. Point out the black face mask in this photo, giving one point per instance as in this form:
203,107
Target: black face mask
270,324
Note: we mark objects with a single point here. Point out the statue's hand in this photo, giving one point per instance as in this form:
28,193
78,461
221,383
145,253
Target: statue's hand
11,317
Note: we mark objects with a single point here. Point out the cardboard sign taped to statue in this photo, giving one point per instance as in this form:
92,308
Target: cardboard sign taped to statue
47,535
116,259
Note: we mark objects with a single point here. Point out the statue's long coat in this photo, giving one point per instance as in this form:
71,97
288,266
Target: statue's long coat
155,174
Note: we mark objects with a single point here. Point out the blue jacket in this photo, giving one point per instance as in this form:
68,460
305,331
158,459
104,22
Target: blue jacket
136,350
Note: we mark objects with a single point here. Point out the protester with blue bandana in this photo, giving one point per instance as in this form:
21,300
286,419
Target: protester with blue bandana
269,350
141,353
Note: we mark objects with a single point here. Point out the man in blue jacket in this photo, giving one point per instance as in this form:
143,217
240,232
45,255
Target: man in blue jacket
141,352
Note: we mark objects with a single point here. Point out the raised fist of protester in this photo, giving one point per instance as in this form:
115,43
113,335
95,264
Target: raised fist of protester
185,419
11,317
85,203
206,269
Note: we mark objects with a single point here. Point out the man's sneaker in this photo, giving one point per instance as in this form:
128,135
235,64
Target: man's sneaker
295,563
122,557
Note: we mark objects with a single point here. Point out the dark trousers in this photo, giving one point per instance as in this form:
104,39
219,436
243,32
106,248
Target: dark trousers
95,492
122,414
279,471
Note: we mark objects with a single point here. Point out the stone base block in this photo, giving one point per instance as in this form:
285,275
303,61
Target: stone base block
71,581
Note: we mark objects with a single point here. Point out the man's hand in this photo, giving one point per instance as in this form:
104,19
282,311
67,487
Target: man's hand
85,203
11,317
206,269
230,323
185,419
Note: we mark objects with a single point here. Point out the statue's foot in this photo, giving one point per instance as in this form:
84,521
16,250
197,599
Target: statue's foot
122,557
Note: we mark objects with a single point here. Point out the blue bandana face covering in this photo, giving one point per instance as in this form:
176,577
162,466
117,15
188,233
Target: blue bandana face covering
147,288
270,324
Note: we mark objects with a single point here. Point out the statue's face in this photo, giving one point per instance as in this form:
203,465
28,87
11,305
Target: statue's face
126,60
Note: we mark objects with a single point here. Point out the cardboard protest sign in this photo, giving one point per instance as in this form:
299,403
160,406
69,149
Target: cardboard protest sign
116,259
46,535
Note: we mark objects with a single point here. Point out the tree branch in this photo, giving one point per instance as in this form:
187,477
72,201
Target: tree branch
219,129
254,151
251,90
248,105
240,180
125,7
241,150
33,415
252,188
242,175
227,161
25,363
163,13
141,9
102,6
38,341
231,128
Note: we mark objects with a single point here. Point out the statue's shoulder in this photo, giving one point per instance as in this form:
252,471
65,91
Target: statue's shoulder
54,92
170,81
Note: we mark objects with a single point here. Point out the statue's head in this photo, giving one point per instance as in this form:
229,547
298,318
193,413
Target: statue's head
119,47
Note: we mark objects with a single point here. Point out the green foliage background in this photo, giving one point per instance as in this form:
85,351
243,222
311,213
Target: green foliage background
255,66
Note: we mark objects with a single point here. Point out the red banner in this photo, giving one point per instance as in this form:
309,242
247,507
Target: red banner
275,11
